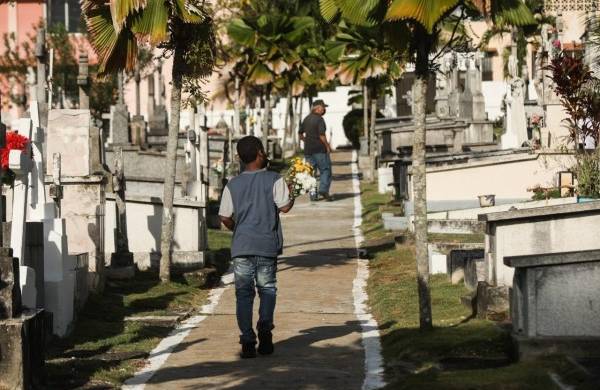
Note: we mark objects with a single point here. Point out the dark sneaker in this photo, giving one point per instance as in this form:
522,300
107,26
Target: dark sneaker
326,197
248,350
265,346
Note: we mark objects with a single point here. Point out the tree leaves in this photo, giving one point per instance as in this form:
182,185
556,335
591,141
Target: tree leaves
426,12
152,21
241,33
116,27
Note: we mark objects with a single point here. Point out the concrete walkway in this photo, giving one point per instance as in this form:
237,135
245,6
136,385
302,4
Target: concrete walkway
317,336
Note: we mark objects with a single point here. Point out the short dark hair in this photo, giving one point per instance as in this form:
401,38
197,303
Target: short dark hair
248,148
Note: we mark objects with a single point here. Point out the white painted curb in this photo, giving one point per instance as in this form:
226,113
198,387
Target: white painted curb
159,355
370,330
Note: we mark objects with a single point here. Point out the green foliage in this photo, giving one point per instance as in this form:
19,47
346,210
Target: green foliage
181,27
270,48
587,171
358,53
353,125
544,193
414,26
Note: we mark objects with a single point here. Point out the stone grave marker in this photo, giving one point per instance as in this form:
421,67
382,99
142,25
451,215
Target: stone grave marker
122,258
119,118
83,81
69,135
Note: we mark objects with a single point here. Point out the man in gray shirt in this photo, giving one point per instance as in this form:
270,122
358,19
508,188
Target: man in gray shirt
250,207
316,147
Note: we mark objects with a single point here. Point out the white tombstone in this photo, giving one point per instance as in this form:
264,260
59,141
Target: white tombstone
38,208
516,121
385,178
59,274
70,130
20,163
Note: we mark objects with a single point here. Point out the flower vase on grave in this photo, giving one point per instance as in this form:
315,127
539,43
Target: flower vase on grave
14,141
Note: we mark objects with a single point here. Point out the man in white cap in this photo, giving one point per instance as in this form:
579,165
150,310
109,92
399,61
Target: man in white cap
316,147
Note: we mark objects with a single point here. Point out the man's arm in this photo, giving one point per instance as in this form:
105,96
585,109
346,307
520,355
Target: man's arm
226,209
286,209
323,135
228,222
323,139
281,196
301,131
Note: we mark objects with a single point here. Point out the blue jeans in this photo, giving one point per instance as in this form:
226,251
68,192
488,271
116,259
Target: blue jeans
322,163
247,271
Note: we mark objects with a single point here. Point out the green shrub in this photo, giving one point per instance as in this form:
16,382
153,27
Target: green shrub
353,125
588,174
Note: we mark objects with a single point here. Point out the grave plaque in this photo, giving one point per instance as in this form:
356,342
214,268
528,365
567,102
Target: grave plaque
119,124
158,124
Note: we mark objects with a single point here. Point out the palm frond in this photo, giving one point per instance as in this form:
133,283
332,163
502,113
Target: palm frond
329,9
121,9
425,12
116,51
512,12
241,33
152,21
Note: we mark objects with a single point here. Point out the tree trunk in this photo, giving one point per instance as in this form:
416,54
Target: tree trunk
373,140
236,108
286,121
299,114
166,238
294,119
365,110
266,117
420,202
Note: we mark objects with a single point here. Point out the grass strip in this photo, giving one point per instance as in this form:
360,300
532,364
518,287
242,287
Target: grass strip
460,352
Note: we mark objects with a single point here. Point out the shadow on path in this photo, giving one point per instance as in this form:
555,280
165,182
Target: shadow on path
313,366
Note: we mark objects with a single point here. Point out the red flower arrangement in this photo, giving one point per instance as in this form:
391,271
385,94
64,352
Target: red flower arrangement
14,141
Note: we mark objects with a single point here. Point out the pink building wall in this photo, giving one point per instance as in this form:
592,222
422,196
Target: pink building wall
20,17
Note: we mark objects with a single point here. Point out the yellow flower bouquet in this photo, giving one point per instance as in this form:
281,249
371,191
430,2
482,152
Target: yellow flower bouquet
300,177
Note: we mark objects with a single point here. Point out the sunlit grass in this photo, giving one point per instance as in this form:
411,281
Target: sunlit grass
414,359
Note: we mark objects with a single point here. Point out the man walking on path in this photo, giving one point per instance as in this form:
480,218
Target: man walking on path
316,147
250,207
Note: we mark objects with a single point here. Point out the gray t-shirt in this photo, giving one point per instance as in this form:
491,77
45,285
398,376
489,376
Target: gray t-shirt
313,126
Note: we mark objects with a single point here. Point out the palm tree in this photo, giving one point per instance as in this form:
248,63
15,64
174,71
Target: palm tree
269,43
361,56
414,28
182,28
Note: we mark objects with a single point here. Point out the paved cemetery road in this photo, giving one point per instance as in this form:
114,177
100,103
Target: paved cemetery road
317,337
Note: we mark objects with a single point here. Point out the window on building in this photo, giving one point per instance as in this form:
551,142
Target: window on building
65,12
487,66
